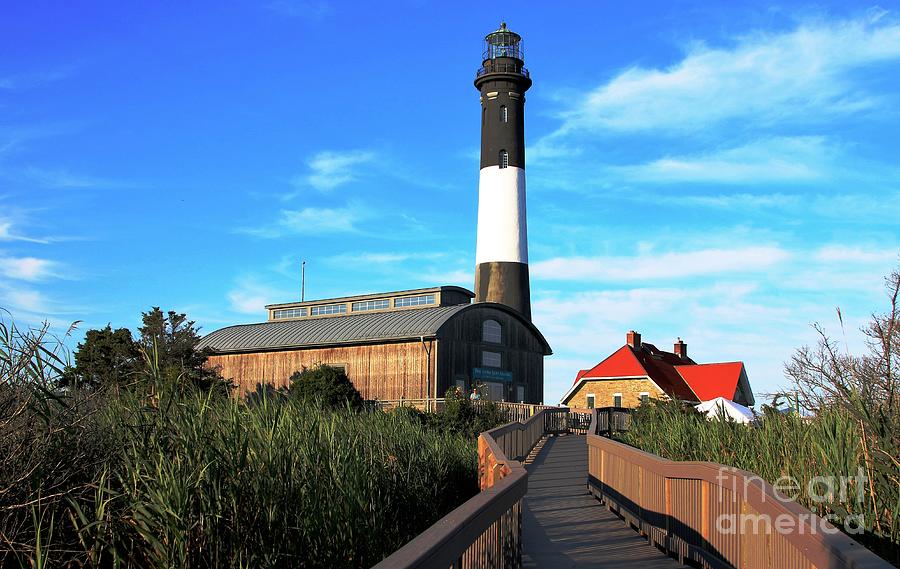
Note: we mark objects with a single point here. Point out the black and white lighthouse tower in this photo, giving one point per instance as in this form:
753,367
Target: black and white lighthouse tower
501,254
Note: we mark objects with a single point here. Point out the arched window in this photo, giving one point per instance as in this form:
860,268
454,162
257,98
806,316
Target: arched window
492,332
504,116
504,159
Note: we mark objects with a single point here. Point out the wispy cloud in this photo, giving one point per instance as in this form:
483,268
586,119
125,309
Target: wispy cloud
724,314
26,304
27,300
331,169
671,265
857,254
61,178
29,268
461,277
311,221
776,159
300,9
383,258
247,302
805,74
7,233
877,207
251,297
36,78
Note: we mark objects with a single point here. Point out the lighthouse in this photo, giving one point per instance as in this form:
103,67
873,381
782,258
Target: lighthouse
501,253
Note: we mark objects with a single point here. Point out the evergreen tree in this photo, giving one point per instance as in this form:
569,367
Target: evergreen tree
106,357
172,340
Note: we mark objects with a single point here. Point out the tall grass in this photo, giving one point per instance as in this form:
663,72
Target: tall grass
830,445
168,476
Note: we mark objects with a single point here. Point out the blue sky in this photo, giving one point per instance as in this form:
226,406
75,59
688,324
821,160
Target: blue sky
724,172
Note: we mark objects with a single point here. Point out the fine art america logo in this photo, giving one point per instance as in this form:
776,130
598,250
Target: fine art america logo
845,490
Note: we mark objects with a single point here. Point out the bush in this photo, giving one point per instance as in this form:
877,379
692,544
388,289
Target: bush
325,386
465,417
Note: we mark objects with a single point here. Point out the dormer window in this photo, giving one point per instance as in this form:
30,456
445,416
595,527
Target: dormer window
504,159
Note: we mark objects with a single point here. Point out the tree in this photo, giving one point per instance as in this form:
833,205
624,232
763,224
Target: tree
324,385
865,388
823,375
171,340
105,357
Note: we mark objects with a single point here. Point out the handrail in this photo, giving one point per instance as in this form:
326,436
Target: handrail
514,411
486,530
608,420
459,538
715,515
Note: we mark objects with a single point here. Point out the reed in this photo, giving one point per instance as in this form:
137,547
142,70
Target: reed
832,445
168,476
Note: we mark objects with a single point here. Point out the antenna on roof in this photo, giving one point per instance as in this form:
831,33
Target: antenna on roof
302,281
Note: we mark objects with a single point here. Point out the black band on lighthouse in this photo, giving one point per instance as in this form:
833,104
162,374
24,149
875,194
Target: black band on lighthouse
505,283
502,120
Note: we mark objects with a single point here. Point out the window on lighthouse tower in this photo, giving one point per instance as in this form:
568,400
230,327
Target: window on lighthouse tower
504,159
503,115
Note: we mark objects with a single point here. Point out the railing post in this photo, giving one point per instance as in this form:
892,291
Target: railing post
668,502
704,513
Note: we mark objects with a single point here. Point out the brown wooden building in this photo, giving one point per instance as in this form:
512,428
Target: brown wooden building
410,344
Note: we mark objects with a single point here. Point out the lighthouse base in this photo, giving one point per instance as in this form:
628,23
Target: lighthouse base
506,283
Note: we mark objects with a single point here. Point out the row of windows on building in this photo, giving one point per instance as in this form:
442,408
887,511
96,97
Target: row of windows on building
360,306
616,399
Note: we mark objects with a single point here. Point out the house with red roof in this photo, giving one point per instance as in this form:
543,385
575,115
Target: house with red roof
639,371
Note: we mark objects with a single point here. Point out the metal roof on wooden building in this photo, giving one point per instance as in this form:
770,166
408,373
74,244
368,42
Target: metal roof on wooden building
350,329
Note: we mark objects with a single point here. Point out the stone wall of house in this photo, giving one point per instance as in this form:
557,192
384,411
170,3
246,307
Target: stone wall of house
604,389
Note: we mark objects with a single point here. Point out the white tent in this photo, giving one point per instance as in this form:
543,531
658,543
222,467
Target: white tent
714,408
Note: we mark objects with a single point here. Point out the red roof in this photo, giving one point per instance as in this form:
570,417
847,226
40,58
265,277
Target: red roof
713,380
679,377
644,361
622,363
661,366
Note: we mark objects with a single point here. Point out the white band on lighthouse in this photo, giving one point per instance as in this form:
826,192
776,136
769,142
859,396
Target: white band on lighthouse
502,231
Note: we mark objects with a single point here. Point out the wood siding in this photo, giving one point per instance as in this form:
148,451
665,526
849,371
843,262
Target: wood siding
379,371
461,348
394,370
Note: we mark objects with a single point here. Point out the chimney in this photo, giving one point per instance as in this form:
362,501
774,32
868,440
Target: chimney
681,349
634,339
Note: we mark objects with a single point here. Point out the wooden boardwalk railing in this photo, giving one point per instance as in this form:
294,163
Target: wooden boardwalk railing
714,515
513,411
486,531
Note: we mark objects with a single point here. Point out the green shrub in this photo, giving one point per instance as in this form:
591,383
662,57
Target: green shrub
325,386
469,418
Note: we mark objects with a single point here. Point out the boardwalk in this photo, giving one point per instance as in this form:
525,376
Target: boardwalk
566,527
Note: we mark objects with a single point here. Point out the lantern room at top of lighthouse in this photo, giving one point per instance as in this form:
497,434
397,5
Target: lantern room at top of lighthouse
503,53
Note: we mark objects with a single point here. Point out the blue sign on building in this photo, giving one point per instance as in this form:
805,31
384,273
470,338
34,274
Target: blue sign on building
491,374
